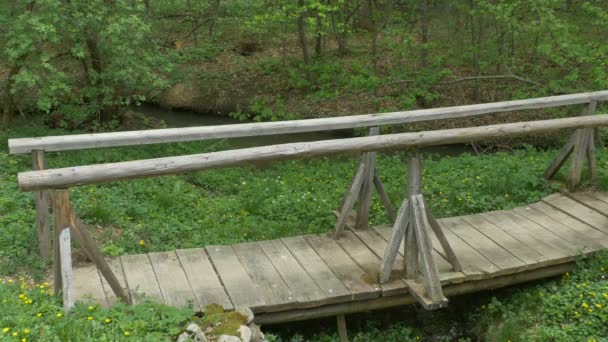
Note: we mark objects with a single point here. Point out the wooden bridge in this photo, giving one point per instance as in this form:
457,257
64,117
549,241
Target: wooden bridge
415,259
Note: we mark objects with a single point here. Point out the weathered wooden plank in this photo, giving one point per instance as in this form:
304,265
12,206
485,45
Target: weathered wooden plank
203,280
65,248
242,290
349,200
549,236
517,255
369,263
390,211
99,173
546,245
43,227
365,196
304,288
349,273
411,259
540,211
581,212
599,195
591,155
276,294
116,267
84,141
342,331
87,285
394,241
485,246
317,269
141,279
172,280
590,201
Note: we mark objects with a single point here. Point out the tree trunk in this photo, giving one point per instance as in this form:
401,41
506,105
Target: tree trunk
302,32
215,11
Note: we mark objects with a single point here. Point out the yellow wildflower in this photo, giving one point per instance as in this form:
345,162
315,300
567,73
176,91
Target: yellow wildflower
59,315
6,330
26,331
89,318
599,306
15,334
107,320
127,333
91,308
39,314
142,242
585,305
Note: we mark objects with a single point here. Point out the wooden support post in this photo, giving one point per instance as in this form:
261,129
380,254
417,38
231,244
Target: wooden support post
432,297
90,248
65,249
581,146
62,221
365,196
397,235
43,227
349,201
342,331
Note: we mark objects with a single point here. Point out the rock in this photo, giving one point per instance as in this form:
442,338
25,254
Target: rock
193,333
247,313
245,333
228,338
256,333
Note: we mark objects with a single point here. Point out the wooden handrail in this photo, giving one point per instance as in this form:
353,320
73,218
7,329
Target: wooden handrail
156,136
100,173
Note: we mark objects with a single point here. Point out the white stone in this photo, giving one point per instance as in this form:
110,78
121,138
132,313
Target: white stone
245,333
256,333
247,313
228,338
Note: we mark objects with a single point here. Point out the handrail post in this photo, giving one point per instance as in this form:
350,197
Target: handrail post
62,221
43,229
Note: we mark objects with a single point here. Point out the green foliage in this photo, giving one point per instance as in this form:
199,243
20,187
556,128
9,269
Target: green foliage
81,58
571,309
31,313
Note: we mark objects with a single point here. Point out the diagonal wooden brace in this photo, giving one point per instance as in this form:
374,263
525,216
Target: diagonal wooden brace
362,183
580,146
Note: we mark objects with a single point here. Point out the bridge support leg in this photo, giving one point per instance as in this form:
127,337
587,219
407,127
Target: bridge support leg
581,146
342,331
43,227
360,191
65,218
412,227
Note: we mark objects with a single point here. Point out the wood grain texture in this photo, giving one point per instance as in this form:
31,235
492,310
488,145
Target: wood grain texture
349,273
62,221
580,211
65,248
87,285
305,289
242,290
317,269
349,200
172,280
84,141
203,279
275,293
369,263
42,200
116,267
365,196
100,173
394,242
141,279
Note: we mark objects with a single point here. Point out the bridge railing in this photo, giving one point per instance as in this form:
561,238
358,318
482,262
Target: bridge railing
412,217
39,145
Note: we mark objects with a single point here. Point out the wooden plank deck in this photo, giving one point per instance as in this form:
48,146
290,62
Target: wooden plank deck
296,274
